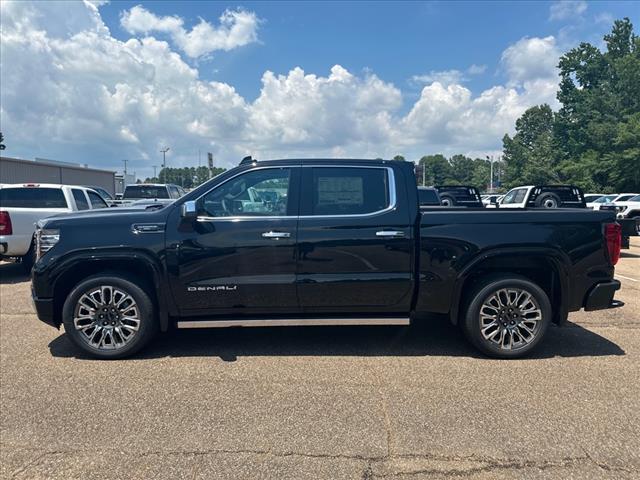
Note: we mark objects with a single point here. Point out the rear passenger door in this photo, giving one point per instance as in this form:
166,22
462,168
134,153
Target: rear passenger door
80,198
355,245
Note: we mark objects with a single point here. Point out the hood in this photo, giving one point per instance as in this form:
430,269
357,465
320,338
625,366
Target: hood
113,216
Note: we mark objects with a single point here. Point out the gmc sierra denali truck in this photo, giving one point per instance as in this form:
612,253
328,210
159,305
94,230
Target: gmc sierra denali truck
320,242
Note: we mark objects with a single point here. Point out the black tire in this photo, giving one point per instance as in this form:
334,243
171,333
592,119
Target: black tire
472,324
27,261
147,326
548,200
447,201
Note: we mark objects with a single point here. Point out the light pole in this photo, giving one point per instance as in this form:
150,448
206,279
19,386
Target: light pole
490,158
125,167
164,158
154,170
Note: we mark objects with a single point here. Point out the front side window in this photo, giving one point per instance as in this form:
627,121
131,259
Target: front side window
349,191
260,193
515,196
81,200
96,200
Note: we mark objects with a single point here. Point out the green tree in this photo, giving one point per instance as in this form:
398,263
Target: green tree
399,158
461,169
438,169
529,156
596,129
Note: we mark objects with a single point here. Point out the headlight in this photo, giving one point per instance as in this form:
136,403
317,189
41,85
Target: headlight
46,238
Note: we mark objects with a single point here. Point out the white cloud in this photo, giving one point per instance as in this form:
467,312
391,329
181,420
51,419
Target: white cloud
74,92
531,58
565,9
477,69
237,28
446,77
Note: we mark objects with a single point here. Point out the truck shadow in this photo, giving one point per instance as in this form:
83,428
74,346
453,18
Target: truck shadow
434,337
12,273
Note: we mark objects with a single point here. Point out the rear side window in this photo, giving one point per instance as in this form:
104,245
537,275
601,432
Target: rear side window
81,200
145,191
349,191
32,197
96,200
174,191
428,197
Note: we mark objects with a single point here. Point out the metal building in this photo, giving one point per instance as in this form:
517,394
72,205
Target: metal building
15,170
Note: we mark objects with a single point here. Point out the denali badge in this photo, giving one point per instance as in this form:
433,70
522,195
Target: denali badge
217,288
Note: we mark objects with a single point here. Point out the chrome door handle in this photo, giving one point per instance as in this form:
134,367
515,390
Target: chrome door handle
276,235
389,233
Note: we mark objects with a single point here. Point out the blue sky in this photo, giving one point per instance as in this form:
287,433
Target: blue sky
396,40
97,82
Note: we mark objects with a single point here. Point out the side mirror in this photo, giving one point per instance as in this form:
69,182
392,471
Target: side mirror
189,209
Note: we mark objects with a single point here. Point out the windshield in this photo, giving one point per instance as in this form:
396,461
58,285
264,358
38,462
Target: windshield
145,191
605,199
635,199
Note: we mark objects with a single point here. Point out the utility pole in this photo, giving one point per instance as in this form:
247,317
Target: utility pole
424,174
125,167
164,159
490,158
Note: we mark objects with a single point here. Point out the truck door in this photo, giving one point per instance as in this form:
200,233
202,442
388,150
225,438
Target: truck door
355,245
237,256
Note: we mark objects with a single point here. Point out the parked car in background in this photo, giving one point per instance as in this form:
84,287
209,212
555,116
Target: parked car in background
333,243
595,203
607,199
459,196
629,210
491,199
22,205
543,196
428,197
150,191
590,197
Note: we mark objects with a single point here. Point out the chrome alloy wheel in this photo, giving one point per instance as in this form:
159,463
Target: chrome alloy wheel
510,318
106,317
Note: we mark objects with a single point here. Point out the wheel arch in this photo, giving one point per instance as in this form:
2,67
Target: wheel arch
545,267
138,267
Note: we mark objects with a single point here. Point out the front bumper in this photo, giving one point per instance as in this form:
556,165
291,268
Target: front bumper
601,296
44,310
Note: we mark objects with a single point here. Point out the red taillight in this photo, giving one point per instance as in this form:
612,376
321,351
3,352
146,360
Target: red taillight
613,235
5,224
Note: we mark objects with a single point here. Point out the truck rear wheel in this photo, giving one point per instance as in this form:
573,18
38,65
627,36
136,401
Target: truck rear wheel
109,316
506,317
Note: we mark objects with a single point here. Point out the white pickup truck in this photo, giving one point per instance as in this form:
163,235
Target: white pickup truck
22,205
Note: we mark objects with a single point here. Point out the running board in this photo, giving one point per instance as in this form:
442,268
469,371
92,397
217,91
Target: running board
291,322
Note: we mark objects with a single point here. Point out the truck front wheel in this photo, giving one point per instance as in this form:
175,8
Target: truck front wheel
506,317
109,316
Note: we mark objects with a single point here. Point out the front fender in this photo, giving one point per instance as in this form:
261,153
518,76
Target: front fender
55,274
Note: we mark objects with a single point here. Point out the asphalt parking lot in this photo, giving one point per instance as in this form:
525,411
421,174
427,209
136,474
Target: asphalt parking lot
320,402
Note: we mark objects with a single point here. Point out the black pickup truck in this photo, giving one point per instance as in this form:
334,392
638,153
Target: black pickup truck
320,242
